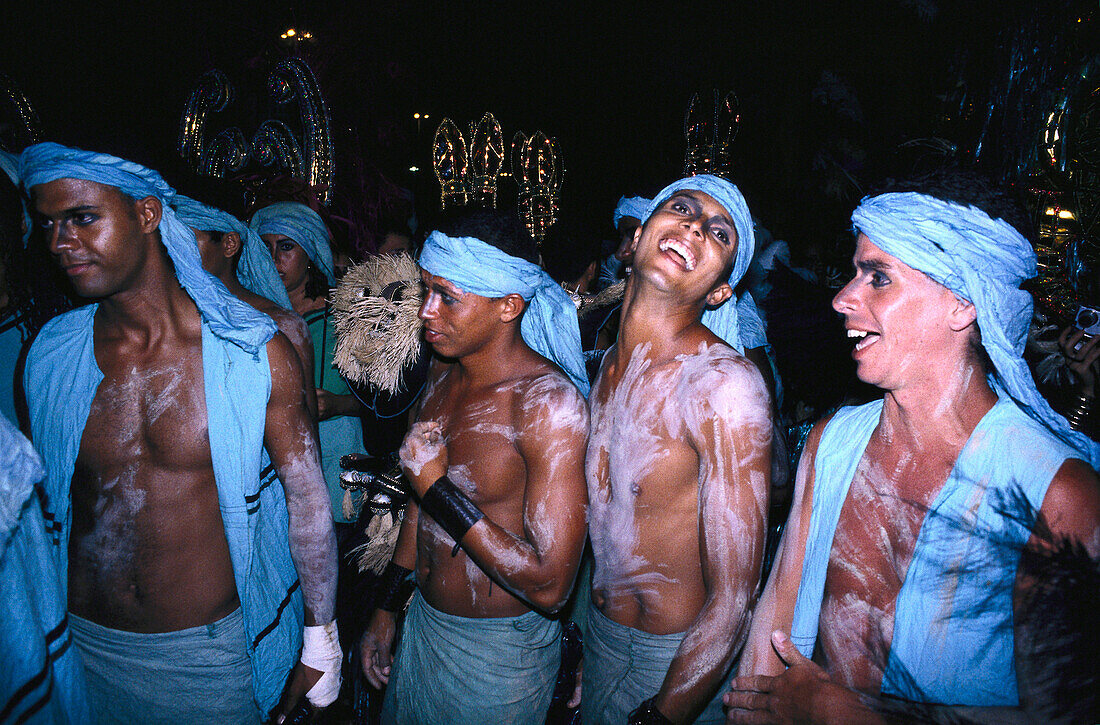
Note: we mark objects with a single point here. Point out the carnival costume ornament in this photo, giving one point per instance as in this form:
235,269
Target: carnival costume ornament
486,159
549,324
304,227
28,128
538,169
228,317
983,261
723,320
450,163
275,144
375,312
709,132
255,268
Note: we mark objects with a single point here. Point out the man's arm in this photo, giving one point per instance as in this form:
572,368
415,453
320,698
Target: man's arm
376,645
730,428
292,444
540,564
775,610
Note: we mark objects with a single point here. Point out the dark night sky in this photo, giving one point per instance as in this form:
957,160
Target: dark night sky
611,82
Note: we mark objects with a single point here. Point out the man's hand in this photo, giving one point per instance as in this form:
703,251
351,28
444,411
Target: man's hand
423,455
330,405
802,694
1082,352
301,680
376,649
575,698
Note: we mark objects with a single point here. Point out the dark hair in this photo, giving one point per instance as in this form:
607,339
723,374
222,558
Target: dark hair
316,282
503,231
967,187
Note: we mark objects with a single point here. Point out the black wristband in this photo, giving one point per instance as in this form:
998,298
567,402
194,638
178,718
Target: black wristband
647,714
451,509
395,586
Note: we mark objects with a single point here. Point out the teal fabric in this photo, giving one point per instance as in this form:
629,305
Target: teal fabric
752,332
457,670
194,675
227,316
11,344
624,667
42,679
981,260
303,225
549,325
255,268
952,636
61,380
724,320
634,206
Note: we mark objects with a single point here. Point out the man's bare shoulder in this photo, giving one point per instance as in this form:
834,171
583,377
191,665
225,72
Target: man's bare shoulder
546,400
1072,504
286,368
723,380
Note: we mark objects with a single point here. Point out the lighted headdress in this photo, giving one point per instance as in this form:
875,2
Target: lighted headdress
538,168
274,144
709,132
468,174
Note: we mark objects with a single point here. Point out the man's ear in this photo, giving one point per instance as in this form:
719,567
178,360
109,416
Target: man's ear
637,236
149,211
511,307
961,315
231,244
719,294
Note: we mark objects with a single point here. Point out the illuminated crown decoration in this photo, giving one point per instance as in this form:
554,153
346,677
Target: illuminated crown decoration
450,163
709,132
468,173
307,156
538,169
28,128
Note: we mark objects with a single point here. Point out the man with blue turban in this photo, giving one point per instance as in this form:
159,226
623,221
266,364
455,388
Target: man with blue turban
186,571
496,461
678,468
234,253
900,558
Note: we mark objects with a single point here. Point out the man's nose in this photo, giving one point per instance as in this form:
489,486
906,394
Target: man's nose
845,299
59,236
427,307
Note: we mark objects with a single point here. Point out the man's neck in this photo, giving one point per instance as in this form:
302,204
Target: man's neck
655,316
155,303
228,277
492,363
938,410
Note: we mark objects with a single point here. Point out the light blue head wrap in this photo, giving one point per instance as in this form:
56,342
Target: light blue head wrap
982,260
302,225
255,269
228,317
635,206
722,321
549,325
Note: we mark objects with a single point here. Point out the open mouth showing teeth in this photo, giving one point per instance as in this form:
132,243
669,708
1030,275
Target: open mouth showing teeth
865,338
677,246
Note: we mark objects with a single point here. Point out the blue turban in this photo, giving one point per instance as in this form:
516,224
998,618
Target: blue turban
549,325
635,206
304,227
228,317
723,320
983,261
255,269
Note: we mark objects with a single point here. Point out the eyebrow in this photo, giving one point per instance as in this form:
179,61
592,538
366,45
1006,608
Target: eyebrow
441,285
724,218
872,265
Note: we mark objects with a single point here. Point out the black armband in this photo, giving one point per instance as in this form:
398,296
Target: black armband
395,586
647,714
451,509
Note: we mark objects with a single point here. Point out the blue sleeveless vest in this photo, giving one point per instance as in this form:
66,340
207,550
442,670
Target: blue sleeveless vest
953,626
61,381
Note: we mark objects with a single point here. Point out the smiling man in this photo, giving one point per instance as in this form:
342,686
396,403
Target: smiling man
185,568
496,459
898,568
677,469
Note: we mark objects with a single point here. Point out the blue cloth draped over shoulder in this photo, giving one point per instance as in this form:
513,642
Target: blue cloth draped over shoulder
634,206
303,225
255,268
61,380
549,325
952,639
983,261
722,321
228,317
42,680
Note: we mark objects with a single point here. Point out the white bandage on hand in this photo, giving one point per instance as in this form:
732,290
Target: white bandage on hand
321,651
